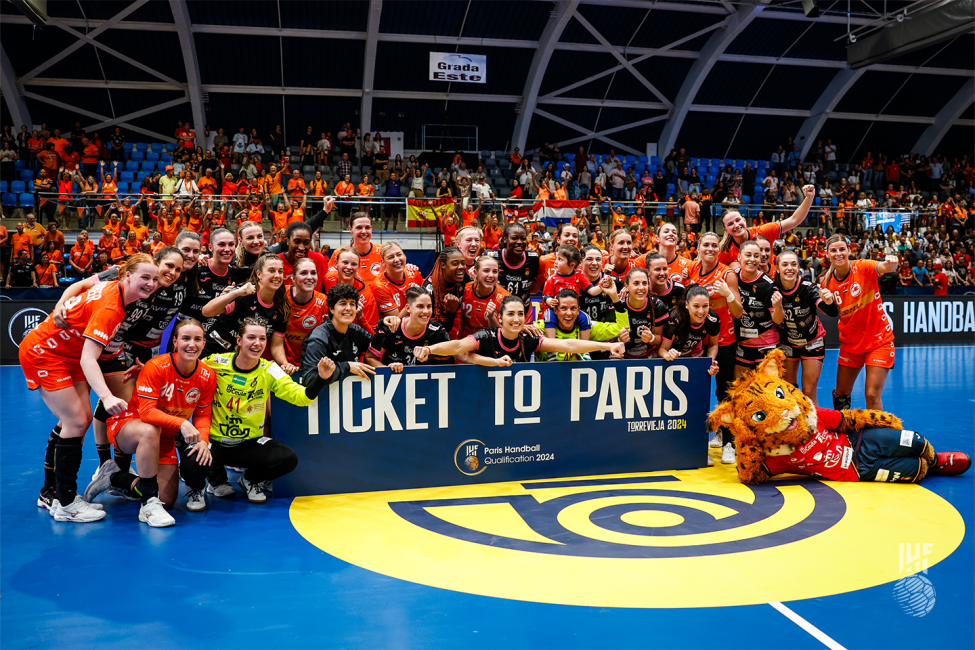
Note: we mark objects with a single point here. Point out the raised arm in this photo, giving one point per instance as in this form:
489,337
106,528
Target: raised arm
800,214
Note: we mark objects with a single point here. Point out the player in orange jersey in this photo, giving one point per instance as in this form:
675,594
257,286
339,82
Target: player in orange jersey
360,226
482,298
737,233
345,270
866,333
395,278
619,261
308,308
169,411
63,364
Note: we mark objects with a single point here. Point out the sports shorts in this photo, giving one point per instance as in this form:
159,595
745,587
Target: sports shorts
882,357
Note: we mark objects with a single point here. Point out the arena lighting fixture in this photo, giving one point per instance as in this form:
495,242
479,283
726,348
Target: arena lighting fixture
35,10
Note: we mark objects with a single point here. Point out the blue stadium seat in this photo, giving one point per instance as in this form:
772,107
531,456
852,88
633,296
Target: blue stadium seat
752,163
711,180
169,147
26,200
131,166
631,160
140,176
702,171
30,186
3,187
9,200
499,182
156,147
504,163
713,170
761,173
739,163
137,156
127,176
142,146
166,159
485,154
817,201
148,167
490,163
569,156
128,147
745,198
655,160
644,159
152,156
27,175
694,162
498,155
670,188
17,187
494,173
123,187
639,168
652,169
19,165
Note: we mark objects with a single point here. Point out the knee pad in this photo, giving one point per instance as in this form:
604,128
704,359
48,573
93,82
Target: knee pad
101,413
842,402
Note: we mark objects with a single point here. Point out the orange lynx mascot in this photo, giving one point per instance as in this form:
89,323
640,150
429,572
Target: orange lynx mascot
778,431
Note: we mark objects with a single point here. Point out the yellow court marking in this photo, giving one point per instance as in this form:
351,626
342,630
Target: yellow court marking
557,545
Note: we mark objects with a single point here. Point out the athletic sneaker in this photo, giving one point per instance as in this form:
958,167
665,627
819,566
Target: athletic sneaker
253,490
266,487
101,481
716,440
728,454
950,463
239,470
221,490
79,511
46,498
128,496
154,513
195,501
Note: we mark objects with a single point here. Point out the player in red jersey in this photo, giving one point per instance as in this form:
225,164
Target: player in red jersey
482,297
395,278
308,308
737,233
298,239
170,411
63,364
866,333
568,275
369,259
346,271
722,286
620,261
668,240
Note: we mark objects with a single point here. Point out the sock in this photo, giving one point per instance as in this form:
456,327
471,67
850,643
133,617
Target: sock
101,413
121,480
104,453
146,488
841,402
124,461
52,441
67,461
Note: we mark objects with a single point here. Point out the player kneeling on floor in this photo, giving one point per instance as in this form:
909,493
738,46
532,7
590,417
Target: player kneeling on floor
169,411
779,431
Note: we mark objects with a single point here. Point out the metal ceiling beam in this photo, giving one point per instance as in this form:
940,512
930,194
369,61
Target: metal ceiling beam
774,14
696,76
131,116
823,106
557,21
588,132
604,103
81,111
15,102
278,32
53,82
604,132
187,45
457,40
626,63
369,66
79,43
945,119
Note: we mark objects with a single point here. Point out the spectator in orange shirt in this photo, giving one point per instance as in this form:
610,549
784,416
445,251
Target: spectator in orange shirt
49,160
54,235
82,254
108,240
345,189
21,241
207,184
36,233
89,157
141,232
296,186
46,273
59,142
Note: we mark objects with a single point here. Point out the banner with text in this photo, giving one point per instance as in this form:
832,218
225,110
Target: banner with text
455,67
922,319
428,213
17,319
462,424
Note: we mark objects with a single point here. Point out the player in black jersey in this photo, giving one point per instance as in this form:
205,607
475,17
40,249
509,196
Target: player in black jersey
263,296
802,335
510,343
517,266
761,310
662,283
212,279
645,316
446,285
599,308
338,339
692,326
394,348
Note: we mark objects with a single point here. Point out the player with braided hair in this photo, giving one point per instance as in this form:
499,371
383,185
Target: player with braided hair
446,285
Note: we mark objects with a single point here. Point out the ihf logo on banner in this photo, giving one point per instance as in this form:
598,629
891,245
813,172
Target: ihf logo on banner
452,66
23,322
915,593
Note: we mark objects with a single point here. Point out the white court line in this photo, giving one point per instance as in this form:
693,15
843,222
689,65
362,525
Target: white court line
807,626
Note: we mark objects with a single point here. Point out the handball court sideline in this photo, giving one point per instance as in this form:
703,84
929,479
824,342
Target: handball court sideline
241,575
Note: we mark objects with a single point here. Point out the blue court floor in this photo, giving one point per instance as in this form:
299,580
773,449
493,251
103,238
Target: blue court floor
243,576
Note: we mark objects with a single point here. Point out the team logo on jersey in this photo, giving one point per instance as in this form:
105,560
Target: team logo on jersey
855,289
192,396
309,322
23,322
469,457
375,268
238,380
605,541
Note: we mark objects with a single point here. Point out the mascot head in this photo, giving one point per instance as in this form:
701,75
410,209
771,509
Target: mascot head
768,415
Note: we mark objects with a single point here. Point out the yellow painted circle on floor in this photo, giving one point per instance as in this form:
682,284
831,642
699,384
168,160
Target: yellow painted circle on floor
695,538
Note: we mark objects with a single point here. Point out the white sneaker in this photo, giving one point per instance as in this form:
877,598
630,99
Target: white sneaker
221,490
154,513
195,501
101,481
266,486
716,440
79,511
253,490
728,456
